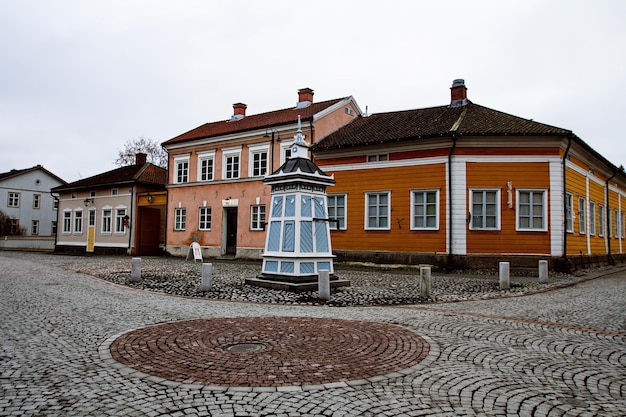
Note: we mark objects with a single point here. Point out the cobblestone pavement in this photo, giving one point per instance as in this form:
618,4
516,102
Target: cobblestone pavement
557,353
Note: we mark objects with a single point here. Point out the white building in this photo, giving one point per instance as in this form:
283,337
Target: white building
29,208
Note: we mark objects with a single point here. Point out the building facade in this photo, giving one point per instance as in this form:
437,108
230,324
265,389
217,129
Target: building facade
120,211
216,195
463,185
28,206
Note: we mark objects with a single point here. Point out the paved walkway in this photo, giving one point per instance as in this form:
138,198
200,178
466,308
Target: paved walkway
71,345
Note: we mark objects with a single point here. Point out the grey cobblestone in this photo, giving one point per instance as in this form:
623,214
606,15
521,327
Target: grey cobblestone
558,353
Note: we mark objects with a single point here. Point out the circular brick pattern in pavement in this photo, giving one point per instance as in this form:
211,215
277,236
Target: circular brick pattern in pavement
269,351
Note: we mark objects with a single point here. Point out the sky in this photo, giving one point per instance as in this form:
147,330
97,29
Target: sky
79,79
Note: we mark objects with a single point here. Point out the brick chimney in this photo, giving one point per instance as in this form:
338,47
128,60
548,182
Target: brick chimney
305,97
140,158
239,111
458,93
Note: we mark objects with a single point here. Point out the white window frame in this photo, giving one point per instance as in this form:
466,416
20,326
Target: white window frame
544,211
582,215
425,192
181,169
498,216
622,228
205,223
34,228
377,157
120,213
202,158
180,218
67,222
592,217
107,221
342,223
379,215
285,151
569,212
53,227
231,153
13,199
36,201
115,191
78,222
258,150
601,220
258,217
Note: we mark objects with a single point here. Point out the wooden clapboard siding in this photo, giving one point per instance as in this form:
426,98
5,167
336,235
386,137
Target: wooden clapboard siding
496,175
577,186
399,181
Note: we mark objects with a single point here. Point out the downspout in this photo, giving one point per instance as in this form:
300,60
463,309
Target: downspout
611,260
453,131
450,197
566,262
131,221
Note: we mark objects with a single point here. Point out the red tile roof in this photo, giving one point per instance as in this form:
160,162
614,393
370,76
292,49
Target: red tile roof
255,121
471,119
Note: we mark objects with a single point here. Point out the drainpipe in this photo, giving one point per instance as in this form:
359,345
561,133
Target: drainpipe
454,138
566,262
611,260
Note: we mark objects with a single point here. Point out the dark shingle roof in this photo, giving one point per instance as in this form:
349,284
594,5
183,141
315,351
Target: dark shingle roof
255,121
145,173
16,172
471,119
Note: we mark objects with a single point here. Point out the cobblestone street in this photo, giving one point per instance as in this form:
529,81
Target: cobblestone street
74,345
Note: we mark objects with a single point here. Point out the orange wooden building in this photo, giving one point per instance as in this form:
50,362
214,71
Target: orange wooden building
464,185
216,194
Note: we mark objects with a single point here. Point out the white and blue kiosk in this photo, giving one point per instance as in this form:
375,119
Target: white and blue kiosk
297,245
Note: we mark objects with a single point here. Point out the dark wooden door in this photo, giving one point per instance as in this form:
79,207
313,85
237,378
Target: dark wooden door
148,233
231,231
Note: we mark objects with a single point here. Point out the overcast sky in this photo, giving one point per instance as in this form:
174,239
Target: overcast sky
80,78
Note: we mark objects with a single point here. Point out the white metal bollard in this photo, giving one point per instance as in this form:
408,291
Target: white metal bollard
323,283
543,271
207,277
505,282
425,273
135,272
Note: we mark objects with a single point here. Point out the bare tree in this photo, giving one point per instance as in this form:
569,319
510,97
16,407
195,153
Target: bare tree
156,154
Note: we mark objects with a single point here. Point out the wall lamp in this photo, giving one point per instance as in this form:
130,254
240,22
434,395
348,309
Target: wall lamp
149,197
88,201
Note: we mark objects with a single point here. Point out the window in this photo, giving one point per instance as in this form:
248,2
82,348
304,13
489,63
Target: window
91,220
377,211
485,206
181,170
592,218
53,227
622,234
337,211
120,215
36,201
106,221
78,221
569,218
425,210
180,218
67,221
286,154
115,191
15,227
34,228
257,217
231,164
581,216
258,160
206,166
601,220
616,222
14,200
204,220
531,210
378,157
